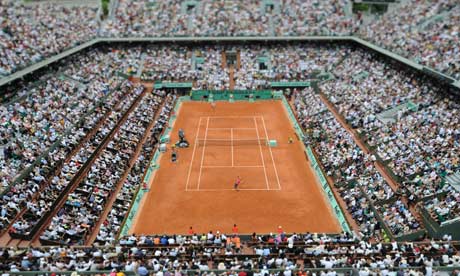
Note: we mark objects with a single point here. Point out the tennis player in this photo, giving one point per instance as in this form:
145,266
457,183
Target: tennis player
237,183
213,106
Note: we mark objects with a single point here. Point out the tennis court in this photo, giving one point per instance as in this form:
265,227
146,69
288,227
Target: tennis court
278,186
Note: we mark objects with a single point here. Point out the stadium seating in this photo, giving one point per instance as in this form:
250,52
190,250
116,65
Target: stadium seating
398,142
111,227
45,199
229,18
79,216
283,63
78,139
432,40
345,162
264,255
44,128
425,31
32,32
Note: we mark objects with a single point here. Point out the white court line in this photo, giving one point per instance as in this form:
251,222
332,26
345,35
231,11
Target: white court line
211,167
222,190
193,155
202,155
223,139
231,138
227,128
261,154
271,154
223,117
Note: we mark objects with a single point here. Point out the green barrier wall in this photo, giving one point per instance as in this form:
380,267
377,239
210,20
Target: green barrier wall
224,95
177,85
293,119
123,75
173,85
290,84
327,190
437,231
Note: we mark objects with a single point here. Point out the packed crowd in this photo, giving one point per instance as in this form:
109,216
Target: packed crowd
200,65
208,67
167,64
42,128
421,30
47,109
32,125
235,18
32,32
353,171
432,158
62,180
41,200
264,255
15,197
426,31
146,18
111,227
420,144
366,87
261,64
100,65
230,18
313,17
84,206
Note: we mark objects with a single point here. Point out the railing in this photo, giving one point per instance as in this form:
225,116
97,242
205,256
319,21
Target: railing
283,84
349,271
436,229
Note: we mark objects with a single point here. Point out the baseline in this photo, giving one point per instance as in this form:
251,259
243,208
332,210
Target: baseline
226,128
202,154
261,154
224,190
255,166
271,153
193,154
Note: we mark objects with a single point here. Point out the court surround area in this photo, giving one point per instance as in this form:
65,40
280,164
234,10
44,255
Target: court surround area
278,186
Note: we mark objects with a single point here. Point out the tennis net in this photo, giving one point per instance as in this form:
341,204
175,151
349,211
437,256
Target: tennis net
229,142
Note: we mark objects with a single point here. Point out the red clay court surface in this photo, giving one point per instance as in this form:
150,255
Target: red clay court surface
278,186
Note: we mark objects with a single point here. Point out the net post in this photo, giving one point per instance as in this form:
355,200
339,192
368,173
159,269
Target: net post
272,143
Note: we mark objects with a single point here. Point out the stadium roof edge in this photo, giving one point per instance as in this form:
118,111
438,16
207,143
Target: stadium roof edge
46,62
